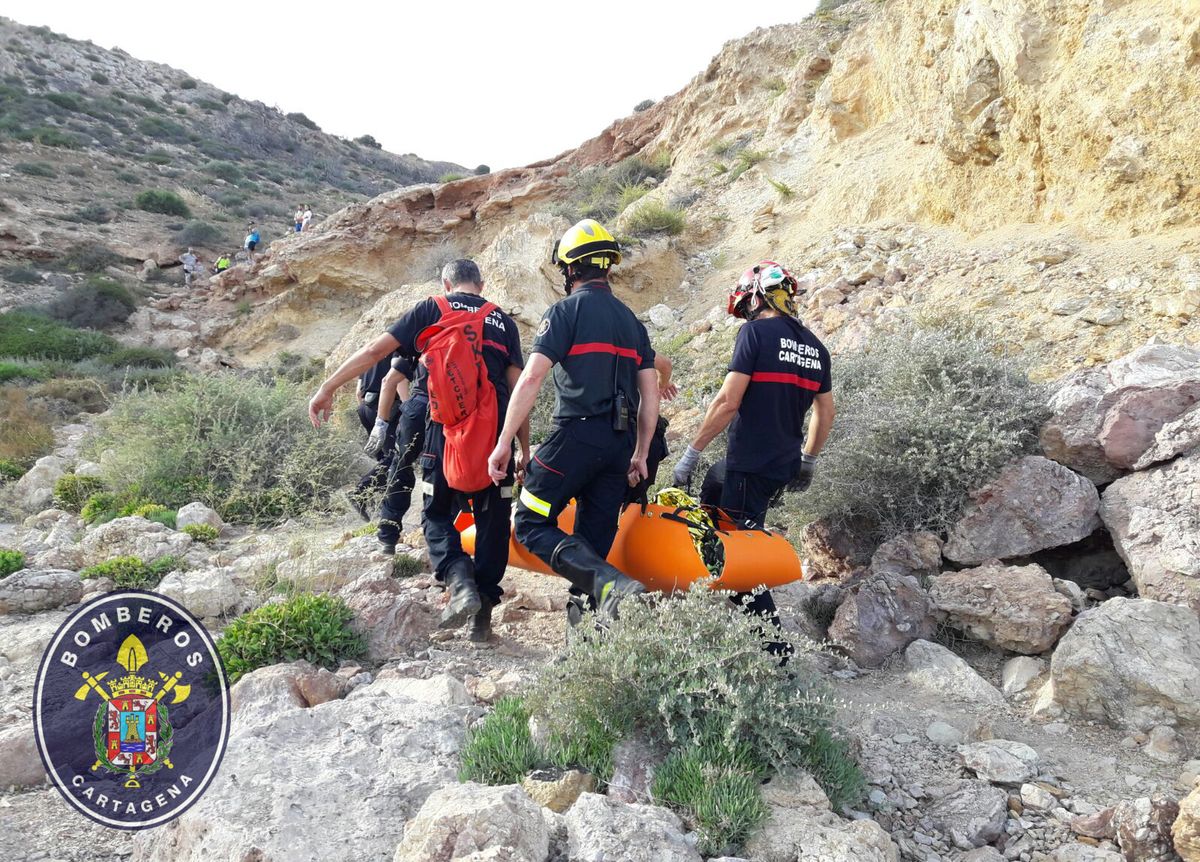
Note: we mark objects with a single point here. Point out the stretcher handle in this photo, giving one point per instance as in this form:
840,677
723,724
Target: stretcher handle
675,516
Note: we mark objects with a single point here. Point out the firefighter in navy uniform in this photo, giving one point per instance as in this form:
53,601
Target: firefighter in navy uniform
474,585
778,371
406,379
604,420
370,383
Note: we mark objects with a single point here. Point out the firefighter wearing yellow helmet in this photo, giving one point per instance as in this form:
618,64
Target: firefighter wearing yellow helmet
604,419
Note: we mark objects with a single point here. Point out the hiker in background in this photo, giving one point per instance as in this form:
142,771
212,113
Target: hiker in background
605,418
222,263
779,369
298,218
473,585
190,262
251,240
306,217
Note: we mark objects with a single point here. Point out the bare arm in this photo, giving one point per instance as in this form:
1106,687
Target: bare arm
647,420
522,432
363,360
722,409
394,383
666,389
820,423
516,419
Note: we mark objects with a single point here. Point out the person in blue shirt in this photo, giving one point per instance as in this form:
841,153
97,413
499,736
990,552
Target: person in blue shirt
251,240
779,370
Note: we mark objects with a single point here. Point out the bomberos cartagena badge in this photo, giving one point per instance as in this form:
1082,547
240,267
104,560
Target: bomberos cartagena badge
131,709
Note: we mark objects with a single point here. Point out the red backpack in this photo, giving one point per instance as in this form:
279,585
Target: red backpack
461,397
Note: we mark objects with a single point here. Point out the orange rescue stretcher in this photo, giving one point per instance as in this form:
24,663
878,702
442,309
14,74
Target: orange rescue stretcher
653,546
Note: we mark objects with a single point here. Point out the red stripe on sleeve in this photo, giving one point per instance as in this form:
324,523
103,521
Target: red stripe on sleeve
603,347
783,377
496,345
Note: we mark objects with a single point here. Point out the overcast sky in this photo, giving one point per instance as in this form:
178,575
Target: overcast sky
499,83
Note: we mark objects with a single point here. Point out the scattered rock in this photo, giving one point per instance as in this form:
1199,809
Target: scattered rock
1085,853
972,815
941,733
1000,760
918,554
1034,504
1154,518
881,615
1012,607
20,764
208,593
1165,745
337,567
441,689
601,829
391,620
1132,663
831,551
1019,672
634,762
558,791
1098,826
132,537
1186,831
35,490
31,590
1143,828
662,316
198,514
937,669
474,821
1037,798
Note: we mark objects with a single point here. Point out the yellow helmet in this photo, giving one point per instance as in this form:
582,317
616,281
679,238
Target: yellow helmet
587,242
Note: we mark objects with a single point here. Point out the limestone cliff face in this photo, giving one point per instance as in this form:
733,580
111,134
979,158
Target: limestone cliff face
1030,161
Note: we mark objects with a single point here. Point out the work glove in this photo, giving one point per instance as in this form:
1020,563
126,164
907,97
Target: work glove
804,477
377,443
682,475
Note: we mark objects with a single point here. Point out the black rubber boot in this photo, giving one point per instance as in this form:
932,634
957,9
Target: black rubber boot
481,623
575,560
464,594
386,549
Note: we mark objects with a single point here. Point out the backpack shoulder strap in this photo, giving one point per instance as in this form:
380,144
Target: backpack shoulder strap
487,308
443,304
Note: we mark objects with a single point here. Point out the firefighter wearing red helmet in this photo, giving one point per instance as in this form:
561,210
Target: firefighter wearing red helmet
779,370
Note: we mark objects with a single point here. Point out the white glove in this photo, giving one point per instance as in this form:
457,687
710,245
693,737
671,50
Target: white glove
377,443
682,475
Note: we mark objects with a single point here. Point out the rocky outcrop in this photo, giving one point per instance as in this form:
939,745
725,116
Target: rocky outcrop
132,537
476,821
1034,504
1015,608
1186,830
881,615
198,514
389,616
35,490
599,828
1000,761
972,815
1154,519
1143,828
31,590
1105,420
207,593
938,670
1132,663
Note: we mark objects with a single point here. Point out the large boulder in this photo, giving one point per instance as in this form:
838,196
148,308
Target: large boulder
1034,504
207,593
289,771
132,537
1000,761
479,822
1104,420
832,551
882,615
1143,828
390,617
1012,607
918,554
31,590
326,571
194,514
1186,829
971,815
1132,663
1154,519
935,668
20,764
600,829
1178,437
35,490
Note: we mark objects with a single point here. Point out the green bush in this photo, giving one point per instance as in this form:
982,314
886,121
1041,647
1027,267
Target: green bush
48,136
10,561
223,170
482,170
25,432
153,512
691,674
199,233
654,216
132,573
71,492
35,169
10,469
161,201
10,371
93,214
597,191
406,566
100,508
240,445
500,750
158,157
162,128
140,357
202,533
368,141
297,117
187,84
450,177
100,77
31,336
315,628
87,257
99,303
924,416
18,274
66,101
644,105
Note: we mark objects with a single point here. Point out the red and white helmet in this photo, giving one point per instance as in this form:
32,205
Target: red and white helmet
767,283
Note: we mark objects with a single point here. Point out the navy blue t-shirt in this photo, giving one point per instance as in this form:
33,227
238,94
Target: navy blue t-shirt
501,341
787,366
372,380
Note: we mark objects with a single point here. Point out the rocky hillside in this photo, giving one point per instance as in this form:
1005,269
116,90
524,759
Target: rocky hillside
976,160
84,131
